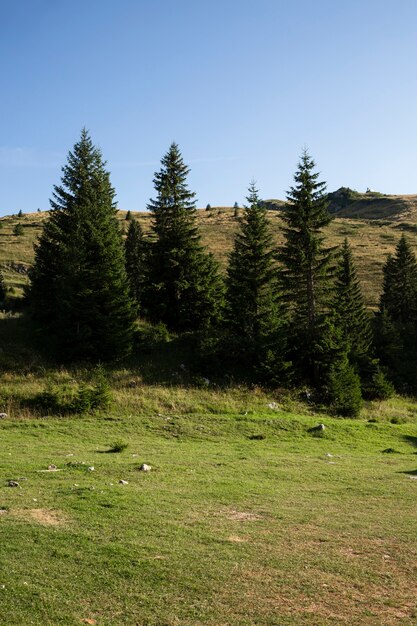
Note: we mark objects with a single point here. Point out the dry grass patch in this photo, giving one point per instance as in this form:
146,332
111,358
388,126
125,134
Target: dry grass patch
46,517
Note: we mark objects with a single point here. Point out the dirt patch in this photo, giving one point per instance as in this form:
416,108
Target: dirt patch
236,539
47,517
242,516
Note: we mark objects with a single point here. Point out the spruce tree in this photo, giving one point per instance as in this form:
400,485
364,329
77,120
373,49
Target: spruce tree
307,275
184,289
399,297
396,324
135,251
355,324
350,307
79,289
251,276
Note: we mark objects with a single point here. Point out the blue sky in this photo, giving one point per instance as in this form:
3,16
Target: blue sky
241,85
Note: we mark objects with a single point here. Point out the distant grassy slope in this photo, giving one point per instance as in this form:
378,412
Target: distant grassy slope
371,240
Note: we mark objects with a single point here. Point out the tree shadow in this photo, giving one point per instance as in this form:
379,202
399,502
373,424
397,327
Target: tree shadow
409,472
412,439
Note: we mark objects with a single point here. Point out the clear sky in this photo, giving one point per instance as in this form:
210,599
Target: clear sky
241,85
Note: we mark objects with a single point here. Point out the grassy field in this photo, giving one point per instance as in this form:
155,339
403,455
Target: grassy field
245,518
371,241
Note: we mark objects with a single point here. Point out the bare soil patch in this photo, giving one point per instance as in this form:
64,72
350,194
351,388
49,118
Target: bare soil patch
47,517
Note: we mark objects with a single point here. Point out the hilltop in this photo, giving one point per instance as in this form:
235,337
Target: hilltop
372,222
368,205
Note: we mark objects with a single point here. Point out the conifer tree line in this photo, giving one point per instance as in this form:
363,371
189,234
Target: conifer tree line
293,316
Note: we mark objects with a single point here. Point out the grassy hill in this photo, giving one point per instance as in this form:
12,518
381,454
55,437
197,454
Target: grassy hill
371,239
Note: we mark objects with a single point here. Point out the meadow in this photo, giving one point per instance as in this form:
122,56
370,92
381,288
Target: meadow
248,516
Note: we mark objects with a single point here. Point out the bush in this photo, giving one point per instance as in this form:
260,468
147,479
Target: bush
18,230
374,383
344,389
118,446
84,398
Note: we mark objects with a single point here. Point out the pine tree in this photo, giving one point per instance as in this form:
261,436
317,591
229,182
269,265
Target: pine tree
79,290
396,324
399,297
184,289
135,251
350,307
307,270
251,296
251,277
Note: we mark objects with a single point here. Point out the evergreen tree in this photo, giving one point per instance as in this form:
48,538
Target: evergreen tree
184,289
135,251
399,297
307,271
350,307
79,290
396,324
251,277
251,296
18,230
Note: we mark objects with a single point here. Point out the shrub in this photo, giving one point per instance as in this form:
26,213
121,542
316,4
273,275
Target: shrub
344,389
18,230
84,398
118,446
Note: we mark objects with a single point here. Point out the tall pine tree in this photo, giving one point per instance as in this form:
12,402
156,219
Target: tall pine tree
396,322
307,275
136,261
184,289
252,310
79,290
349,305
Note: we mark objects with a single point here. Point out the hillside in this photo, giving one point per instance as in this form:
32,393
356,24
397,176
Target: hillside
370,205
371,239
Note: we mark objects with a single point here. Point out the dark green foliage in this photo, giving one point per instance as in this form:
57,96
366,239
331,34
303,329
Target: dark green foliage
20,214
136,261
374,383
118,446
344,389
208,207
349,306
184,289
396,324
82,398
128,216
3,288
252,309
307,270
18,230
79,289
399,297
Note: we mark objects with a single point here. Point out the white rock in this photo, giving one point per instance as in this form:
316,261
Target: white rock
123,482
91,468
13,483
52,467
3,415
145,468
273,405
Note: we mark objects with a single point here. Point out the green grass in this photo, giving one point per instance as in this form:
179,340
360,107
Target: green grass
243,519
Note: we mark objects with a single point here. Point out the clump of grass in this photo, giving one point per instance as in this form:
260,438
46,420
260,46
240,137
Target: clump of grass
117,446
